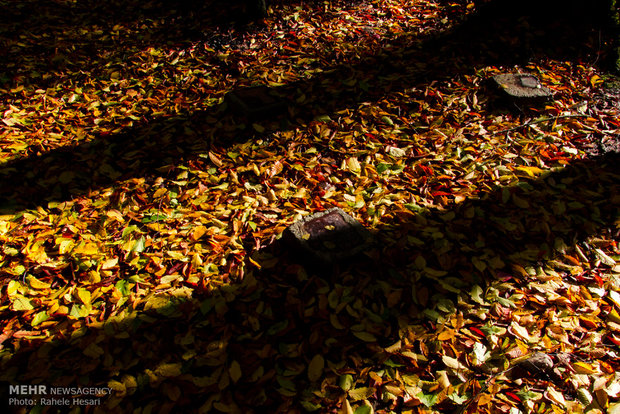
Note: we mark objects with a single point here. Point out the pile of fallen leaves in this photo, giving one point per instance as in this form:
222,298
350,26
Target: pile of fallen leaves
140,226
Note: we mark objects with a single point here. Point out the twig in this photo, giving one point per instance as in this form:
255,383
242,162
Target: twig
538,121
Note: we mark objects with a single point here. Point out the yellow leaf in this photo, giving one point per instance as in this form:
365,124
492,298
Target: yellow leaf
86,248
65,246
4,227
453,363
36,251
555,397
36,283
130,382
160,192
84,296
584,368
94,276
361,393
116,215
168,370
198,232
519,331
175,255
530,171
117,386
519,269
443,379
235,371
13,287
21,303
39,317
197,261
353,165
346,407
315,368
365,336
446,334
109,264
485,399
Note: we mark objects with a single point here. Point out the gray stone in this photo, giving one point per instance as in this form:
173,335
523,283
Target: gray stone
522,86
256,102
610,144
328,236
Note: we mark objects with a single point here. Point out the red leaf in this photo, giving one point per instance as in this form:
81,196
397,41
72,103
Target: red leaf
513,396
477,331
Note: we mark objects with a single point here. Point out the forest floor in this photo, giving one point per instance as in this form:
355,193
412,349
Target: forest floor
141,218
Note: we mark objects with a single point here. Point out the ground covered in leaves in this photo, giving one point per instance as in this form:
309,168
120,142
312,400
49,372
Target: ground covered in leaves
140,218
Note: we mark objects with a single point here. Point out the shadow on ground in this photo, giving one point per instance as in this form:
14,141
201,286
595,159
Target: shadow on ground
247,347
66,34
498,35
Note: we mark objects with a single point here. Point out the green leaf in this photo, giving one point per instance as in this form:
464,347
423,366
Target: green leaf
459,399
363,409
360,393
387,120
476,295
286,383
427,399
382,167
128,230
39,317
310,407
13,287
346,382
322,118
527,394
315,368
365,336
280,326
390,363
153,218
123,287
21,303
140,245
168,370
79,311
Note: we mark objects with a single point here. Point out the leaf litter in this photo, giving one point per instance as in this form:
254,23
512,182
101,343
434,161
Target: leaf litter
493,285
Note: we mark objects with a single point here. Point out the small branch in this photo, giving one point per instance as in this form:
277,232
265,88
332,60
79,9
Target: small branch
538,121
